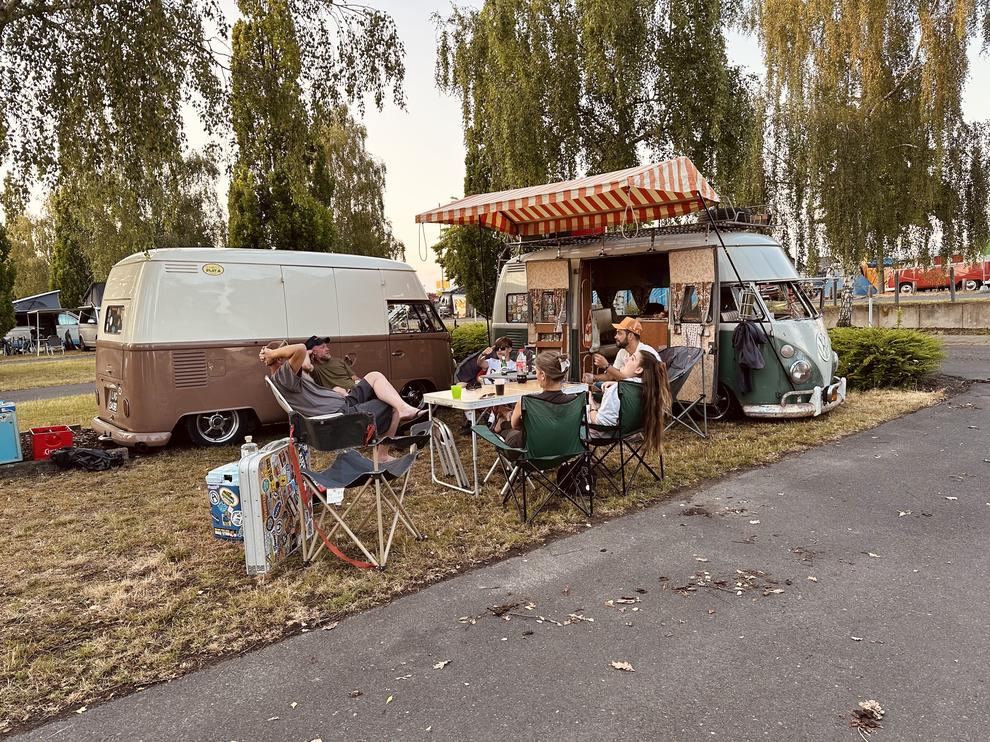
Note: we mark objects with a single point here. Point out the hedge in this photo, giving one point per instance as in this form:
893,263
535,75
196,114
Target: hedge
468,338
873,357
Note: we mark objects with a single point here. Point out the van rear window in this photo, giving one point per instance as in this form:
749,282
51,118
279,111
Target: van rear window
113,324
412,317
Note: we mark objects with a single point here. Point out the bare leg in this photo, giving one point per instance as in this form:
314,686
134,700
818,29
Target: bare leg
394,426
386,393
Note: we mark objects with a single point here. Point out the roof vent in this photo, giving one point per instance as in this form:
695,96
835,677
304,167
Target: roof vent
181,268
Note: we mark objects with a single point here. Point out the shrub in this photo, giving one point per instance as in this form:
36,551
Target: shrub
468,338
873,357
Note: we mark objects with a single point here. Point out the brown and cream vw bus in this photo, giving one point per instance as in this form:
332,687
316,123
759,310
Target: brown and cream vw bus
181,328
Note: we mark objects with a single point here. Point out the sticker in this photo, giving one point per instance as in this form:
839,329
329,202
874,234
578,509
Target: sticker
270,523
212,269
277,509
228,497
237,518
214,497
264,485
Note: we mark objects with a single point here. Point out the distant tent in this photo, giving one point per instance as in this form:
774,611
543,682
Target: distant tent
94,295
47,300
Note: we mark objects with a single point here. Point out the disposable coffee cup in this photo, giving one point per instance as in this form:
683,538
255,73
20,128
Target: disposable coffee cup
500,387
455,391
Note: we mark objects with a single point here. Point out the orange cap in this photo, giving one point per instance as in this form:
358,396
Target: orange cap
630,324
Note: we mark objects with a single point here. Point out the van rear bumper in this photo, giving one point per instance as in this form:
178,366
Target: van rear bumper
127,437
819,400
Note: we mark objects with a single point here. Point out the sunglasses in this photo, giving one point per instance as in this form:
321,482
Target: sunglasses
487,395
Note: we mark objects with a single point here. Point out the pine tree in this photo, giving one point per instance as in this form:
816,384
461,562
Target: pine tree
7,274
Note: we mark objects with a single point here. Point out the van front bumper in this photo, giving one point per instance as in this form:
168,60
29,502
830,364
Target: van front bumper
819,400
127,437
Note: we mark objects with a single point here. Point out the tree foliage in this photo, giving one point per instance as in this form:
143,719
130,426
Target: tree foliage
868,147
8,274
553,88
280,194
32,241
358,198
70,269
470,256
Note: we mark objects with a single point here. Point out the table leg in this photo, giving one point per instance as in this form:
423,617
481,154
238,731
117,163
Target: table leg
474,452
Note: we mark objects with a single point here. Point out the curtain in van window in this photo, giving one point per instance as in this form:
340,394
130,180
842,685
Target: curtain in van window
641,296
704,290
606,294
676,306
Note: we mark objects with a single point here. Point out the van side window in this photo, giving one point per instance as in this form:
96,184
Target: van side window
114,322
406,317
517,307
728,305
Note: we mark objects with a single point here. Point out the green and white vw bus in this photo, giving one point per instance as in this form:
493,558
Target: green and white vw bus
715,282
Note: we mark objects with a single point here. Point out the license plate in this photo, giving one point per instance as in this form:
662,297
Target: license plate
112,401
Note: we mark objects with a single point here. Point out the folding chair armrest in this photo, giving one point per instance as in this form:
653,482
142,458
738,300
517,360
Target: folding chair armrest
406,441
488,435
603,428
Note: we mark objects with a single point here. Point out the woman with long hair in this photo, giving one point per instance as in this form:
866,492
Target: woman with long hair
645,369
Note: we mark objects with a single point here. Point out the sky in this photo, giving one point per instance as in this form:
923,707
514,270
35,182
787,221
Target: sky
423,147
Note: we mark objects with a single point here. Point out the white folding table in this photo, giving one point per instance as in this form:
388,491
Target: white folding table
470,402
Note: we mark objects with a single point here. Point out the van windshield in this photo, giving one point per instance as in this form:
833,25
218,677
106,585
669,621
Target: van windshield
786,300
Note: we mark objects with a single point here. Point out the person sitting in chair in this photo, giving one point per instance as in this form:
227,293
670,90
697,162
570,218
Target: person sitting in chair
374,393
627,334
551,371
330,372
652,374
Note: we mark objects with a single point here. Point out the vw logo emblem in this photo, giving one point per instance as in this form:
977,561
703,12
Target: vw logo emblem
823,346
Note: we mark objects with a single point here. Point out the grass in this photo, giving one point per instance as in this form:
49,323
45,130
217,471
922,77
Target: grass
22,374
98,598
75,410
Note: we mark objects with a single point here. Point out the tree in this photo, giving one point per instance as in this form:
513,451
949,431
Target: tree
31,240
868,148
70,268
470,256
553,88
358,196
7,275
106,81
280,196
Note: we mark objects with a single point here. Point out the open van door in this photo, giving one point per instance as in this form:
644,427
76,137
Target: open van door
692,285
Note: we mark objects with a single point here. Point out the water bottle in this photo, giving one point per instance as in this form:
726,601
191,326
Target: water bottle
521,362
249,447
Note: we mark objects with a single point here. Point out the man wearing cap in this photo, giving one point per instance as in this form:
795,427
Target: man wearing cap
627,334
374,393
329,372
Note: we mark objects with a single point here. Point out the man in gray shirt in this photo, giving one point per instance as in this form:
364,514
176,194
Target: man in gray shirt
374,393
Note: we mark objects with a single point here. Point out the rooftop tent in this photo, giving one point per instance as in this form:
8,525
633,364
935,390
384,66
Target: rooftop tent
47,300
638,194
94,295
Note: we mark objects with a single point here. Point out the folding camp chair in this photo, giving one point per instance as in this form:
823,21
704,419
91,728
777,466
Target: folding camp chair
626,435
53,345
343,434
680,361
554,436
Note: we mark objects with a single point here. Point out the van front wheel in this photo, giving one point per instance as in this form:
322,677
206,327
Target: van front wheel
724,406
216,428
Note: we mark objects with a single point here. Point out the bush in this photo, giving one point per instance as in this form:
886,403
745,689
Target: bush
468,338
872,357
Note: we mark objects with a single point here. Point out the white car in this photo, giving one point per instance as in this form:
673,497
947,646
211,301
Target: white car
89,323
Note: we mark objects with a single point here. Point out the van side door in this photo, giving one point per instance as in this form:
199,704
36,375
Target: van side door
361,316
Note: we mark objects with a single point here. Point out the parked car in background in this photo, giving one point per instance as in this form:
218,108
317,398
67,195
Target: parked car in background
67,328
89,323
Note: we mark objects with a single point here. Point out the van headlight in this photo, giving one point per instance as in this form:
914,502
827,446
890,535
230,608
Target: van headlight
800,371
786,351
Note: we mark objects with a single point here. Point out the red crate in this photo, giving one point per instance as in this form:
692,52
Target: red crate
46,441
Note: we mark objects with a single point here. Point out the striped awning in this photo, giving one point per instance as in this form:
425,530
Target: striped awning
635,195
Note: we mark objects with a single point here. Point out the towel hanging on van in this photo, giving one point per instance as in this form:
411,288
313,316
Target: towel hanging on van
746,341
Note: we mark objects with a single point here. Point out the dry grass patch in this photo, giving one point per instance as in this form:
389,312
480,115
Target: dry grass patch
73,369
76,410
112,581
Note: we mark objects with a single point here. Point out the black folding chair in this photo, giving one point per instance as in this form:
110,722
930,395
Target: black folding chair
626,435
680,361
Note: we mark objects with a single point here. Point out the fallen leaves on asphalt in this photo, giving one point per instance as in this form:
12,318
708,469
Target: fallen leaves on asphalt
441,664
622,665
867,716
502,609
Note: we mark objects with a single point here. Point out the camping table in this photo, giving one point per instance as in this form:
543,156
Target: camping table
470,402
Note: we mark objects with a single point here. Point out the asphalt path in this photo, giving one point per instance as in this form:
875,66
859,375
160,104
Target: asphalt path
49,392
877,545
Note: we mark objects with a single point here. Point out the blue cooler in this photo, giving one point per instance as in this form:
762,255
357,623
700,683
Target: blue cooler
10,438
224,489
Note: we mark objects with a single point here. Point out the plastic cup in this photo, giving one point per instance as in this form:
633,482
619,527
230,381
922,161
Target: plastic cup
500,387
455,391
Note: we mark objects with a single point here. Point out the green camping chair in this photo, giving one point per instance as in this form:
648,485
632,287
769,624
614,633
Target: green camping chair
626,435
554,436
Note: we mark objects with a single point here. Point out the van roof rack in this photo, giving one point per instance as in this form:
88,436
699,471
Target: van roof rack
750,219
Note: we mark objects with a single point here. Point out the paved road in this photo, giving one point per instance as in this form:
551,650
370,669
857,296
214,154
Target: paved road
897,613
49,392
967,356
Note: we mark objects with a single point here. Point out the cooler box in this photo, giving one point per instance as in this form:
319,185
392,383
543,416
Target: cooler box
225,502
270,506
48,440
10,439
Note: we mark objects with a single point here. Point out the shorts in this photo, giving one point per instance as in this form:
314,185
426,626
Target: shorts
362,399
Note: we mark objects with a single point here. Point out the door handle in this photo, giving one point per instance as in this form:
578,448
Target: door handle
398,353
